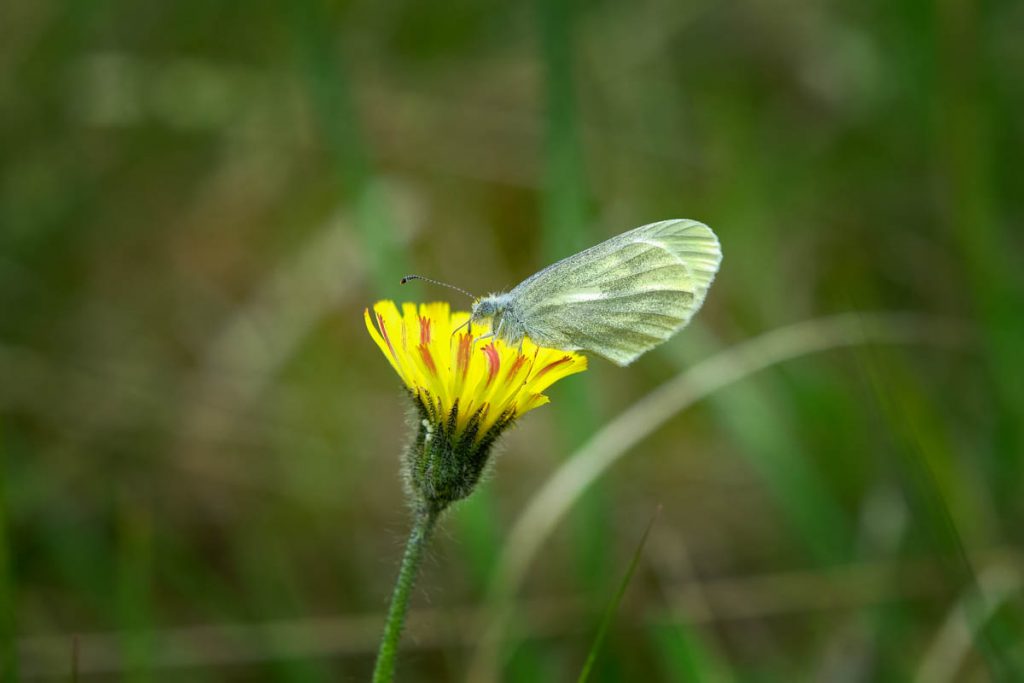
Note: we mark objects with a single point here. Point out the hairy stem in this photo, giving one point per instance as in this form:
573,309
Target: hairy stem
419,535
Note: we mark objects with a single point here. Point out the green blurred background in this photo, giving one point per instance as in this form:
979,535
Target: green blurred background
199,442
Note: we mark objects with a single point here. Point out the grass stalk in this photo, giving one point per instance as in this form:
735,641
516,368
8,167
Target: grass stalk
613,606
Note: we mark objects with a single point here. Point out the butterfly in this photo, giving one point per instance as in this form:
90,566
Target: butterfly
617,299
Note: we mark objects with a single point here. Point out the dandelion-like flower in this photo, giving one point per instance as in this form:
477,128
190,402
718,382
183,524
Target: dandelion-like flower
467,391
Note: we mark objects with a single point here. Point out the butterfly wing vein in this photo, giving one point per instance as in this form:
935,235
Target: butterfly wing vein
624,296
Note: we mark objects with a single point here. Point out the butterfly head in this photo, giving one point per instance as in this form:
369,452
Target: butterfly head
488,307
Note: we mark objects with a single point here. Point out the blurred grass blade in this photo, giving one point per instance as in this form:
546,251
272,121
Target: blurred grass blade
948,651
75,657
928,492
686,657
134,586
564,221
964,150
564,212
8,656
755,415
549,505
334,104
563,231
613,606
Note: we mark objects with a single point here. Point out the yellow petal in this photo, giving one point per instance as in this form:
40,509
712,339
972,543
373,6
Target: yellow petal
440,361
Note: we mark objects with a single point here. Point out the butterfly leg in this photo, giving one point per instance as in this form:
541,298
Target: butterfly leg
496,333
468,321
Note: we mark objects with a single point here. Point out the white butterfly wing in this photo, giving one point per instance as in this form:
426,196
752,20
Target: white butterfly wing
623,297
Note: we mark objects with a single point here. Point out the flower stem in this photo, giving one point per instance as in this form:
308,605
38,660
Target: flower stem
423,525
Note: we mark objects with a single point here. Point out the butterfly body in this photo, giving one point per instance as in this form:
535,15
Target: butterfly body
505,323
618,299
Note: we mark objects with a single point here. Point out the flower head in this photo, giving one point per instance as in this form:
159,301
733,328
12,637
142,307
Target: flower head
466,390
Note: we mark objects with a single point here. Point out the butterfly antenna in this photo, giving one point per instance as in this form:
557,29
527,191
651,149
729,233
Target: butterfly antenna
407,278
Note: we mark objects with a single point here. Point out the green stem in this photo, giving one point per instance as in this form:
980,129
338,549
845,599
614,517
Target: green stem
423,525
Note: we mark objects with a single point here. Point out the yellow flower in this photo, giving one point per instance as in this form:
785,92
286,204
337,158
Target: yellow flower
456,380
466,390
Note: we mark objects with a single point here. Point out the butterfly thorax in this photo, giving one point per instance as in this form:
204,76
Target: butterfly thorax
500,310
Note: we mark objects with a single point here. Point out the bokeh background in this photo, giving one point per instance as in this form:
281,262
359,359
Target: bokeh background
199,442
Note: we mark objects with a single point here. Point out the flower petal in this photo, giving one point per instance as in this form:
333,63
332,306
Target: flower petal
433,350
